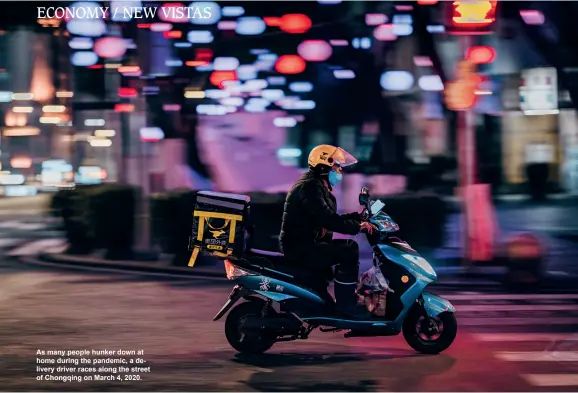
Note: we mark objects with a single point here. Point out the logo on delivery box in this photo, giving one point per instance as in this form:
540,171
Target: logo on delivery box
219,239
217,233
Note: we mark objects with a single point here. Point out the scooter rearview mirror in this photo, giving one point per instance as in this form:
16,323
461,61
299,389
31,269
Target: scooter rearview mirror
364,197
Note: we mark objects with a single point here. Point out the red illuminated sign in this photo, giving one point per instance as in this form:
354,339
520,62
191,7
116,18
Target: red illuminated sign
481,54
127,92
472,17
124,108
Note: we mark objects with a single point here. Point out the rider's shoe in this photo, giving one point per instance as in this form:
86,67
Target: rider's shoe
346,302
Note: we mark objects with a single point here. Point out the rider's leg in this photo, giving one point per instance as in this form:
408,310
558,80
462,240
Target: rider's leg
344,254
346,277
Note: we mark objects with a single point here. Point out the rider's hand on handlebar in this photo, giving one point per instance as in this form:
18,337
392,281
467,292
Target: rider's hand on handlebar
367,227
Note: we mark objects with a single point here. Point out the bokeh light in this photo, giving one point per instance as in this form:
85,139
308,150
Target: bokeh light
86,27
315,50
173,13
430,83
211,13
246,72
225,64
232,11
81,43
250,25
384,33
301,87
122,8
290,64
110,47
218,77
200,37
295,23
396,80
84,58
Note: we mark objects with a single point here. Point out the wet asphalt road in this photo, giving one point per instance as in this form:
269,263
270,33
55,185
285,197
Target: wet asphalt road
171,321
506,342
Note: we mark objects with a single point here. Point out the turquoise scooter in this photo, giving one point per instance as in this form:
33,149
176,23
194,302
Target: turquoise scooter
280,306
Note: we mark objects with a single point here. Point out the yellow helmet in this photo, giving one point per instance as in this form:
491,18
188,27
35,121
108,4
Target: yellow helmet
330,155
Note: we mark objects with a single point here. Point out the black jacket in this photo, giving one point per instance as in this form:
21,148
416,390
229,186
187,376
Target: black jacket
310,215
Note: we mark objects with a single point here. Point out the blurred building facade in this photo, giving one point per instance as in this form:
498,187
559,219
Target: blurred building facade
137,97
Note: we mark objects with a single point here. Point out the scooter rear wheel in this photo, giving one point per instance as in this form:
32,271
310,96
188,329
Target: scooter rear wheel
430,335
254,343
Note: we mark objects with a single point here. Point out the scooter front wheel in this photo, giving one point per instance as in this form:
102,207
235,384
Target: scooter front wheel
254,342
430,335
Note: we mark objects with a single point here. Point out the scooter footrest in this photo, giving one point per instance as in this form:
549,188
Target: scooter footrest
370,333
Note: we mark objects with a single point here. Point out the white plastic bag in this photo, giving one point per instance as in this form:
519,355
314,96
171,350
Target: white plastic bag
373,281
372,290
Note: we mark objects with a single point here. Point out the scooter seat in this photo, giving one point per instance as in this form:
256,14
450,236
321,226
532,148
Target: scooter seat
273,257
278,263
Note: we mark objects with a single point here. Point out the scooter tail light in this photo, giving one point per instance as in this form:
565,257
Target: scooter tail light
234,272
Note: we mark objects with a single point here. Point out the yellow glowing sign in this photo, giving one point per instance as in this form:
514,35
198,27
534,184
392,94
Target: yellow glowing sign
474,12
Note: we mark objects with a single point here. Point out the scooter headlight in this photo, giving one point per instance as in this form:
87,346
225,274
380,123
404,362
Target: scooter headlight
421,262
234,271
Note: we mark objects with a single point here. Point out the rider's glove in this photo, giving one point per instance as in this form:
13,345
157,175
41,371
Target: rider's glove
367,227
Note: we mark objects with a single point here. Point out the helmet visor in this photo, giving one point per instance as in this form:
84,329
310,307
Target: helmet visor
343,158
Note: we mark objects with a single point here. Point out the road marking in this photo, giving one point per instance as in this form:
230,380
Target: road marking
480,321
37,247
16,212
507,296
542,356
516,307
550,380
9,242
518,337
9,224
29,226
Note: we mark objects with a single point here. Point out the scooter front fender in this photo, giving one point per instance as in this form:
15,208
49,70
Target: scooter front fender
434,305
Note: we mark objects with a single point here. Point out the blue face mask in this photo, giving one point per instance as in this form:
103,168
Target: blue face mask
334,178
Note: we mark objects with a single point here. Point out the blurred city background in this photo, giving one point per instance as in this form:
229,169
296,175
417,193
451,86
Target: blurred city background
462,116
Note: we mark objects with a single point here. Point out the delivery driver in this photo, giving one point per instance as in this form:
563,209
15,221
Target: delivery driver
309,219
